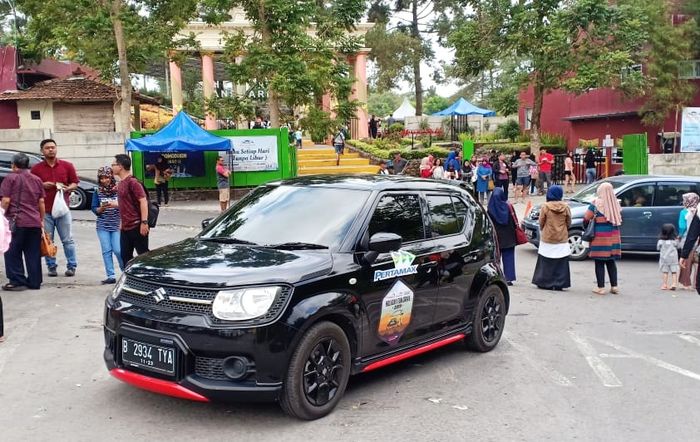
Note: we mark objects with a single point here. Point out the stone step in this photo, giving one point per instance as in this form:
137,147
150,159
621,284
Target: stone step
337,170
320,154
344,161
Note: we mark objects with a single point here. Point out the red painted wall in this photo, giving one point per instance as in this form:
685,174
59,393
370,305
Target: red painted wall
9,119
558,105
8,68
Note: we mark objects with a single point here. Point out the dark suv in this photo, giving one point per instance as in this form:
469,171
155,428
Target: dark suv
303,283
647,202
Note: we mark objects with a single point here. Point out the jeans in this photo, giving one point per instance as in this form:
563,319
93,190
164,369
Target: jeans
110,244
600,265
162,193
64,227
503,184
544,177
130,240
26,243
590,175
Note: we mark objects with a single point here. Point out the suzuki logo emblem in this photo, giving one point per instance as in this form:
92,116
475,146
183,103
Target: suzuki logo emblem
159,294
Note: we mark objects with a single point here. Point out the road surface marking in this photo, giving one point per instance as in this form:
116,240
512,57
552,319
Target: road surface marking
18,331
615,356
600,368
691,339
651,360
547,372
670,332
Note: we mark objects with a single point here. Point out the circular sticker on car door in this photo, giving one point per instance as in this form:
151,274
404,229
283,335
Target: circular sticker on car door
396,312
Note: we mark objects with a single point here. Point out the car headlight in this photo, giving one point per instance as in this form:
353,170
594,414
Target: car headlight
119,286
243,304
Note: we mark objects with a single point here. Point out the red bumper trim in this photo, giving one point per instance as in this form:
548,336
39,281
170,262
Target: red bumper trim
413,352
156,385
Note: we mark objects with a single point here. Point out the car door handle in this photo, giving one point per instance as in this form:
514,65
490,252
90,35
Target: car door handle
647,215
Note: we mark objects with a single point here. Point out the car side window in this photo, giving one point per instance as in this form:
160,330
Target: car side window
671,194
465,217
6,160
443,217
399,214
637,196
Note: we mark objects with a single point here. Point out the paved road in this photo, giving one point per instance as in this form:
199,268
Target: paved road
571,365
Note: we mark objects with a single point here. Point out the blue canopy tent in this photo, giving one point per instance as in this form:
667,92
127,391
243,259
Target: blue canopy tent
459,112
180,135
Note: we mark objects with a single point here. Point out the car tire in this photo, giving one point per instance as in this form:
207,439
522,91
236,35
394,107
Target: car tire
77,199
489,319
323,359
579,252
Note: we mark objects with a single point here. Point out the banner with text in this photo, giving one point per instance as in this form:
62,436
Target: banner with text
690,130
253,153
182,164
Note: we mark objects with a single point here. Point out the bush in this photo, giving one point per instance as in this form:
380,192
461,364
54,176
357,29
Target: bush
386,150
509,130
318,124
396,127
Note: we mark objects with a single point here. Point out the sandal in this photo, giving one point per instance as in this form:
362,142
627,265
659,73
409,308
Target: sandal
673,287
2,339
13,288
614,290
599,291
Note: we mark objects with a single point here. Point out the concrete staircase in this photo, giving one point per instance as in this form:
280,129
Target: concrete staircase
321,160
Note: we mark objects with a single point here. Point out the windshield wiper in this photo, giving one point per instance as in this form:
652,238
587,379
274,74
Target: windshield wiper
297,245
228,240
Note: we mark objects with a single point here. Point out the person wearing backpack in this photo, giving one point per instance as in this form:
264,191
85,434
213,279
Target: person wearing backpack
339,145
133,210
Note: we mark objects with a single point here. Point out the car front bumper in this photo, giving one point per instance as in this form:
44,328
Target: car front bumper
532,231
200,352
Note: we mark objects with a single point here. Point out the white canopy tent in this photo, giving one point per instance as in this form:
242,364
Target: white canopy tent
405,110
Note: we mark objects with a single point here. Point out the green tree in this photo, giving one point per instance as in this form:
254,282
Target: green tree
296,66
382,104
575,45
398,50
117,37
435,103
664,90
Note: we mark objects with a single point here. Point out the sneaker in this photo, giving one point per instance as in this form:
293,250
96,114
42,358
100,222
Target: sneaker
109,281
70,272
52,271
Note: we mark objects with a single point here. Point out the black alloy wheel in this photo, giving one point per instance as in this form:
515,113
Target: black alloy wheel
318,372
77,199
322,371
489,320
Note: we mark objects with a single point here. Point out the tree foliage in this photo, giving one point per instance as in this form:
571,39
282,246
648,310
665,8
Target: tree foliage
575,45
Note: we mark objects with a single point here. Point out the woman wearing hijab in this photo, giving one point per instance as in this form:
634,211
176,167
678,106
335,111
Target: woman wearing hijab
484,174
605,248
552,269
500,212
685,219
108,221
426,166
453,161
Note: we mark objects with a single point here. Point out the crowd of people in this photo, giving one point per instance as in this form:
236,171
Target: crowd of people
35,206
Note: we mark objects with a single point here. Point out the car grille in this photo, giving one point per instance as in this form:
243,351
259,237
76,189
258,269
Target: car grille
210,368
191,300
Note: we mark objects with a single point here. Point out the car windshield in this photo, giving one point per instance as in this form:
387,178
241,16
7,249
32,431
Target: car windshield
587,194
289,217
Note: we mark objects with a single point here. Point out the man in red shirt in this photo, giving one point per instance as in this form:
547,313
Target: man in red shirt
545,162
133,210
57,175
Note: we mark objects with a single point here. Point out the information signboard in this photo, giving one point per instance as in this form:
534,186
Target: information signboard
690,130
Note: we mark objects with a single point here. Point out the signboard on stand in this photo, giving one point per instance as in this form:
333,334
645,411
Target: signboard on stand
690,130
253,154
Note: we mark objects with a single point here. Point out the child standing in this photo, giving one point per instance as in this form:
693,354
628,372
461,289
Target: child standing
297,137
668,257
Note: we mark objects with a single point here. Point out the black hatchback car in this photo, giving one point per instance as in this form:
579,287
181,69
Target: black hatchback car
303,283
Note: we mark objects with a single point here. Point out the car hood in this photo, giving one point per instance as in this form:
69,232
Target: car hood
193,262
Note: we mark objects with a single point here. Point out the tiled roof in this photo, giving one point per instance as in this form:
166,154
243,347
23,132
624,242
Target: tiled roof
68,89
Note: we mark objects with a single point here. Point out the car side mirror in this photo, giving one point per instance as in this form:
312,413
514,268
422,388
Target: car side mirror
206,222
381,243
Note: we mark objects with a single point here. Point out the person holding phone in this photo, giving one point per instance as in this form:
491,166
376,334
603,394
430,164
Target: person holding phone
104,206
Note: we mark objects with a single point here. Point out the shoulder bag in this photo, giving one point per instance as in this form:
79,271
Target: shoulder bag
48,248
520,236
589,233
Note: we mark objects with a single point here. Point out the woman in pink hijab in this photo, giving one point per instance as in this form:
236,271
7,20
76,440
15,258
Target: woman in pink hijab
685,220
606,246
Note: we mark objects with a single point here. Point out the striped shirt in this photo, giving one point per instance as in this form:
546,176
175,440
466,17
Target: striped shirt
606,244
109,219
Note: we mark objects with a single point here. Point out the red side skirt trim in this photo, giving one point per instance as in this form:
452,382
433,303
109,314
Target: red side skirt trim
413,352
157,385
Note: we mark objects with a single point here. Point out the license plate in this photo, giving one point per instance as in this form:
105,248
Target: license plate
151,357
